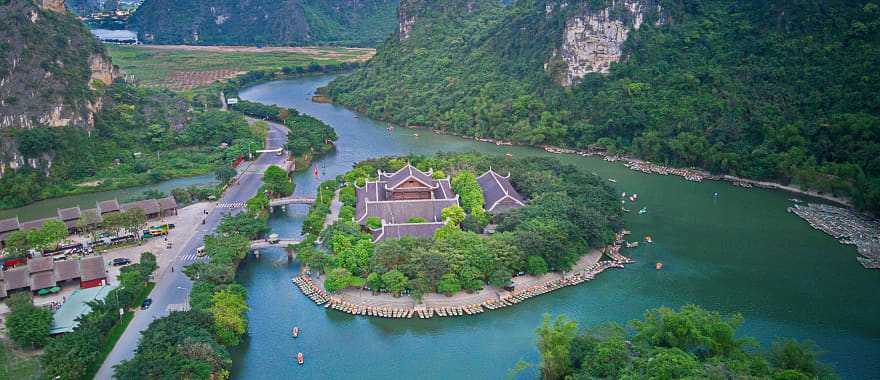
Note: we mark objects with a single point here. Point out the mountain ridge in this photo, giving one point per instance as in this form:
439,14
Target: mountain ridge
709,84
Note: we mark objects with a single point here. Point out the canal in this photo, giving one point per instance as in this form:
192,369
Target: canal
737,252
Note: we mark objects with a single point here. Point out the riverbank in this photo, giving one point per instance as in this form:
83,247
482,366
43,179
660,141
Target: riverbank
367,303
848,227
636,164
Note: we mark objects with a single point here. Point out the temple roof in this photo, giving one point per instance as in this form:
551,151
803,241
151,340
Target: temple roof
393,181
497,188
17,278
35,224
373,201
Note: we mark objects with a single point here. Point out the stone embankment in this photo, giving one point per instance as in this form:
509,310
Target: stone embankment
376,307
848,226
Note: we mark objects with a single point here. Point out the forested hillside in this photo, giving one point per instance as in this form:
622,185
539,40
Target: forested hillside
232,22
777,90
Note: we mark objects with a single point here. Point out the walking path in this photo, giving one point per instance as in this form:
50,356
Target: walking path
335,206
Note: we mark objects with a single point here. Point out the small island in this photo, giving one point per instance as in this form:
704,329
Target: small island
456,234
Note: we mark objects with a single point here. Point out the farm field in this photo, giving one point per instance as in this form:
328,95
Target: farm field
180,67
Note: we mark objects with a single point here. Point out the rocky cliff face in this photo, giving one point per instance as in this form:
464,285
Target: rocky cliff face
48,63
593,37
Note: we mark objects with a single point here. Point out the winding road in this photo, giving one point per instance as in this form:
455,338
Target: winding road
173,288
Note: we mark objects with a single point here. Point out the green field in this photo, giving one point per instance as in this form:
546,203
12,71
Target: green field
181,67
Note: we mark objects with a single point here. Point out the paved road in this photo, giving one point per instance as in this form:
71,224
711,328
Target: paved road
173,288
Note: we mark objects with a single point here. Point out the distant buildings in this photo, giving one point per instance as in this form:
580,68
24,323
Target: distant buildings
153,209
45,273
410,202
123,37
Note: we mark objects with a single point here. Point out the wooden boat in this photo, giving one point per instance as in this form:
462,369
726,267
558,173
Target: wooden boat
612,180
649,239
659,266
632,245
644,210
295,331
299,358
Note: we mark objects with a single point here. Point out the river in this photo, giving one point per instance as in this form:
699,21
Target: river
738,252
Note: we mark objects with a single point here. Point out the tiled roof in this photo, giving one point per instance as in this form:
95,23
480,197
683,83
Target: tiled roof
10,224
168,203
67,214
92,268
66,270
42,280
496,189
149,206
394,212
17,278
408,172
108,206
39,264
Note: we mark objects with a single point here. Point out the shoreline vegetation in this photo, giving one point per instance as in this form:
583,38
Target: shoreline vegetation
477,261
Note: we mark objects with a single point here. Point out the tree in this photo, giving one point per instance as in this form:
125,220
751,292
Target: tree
536,266
373,222
133,220
337,279
454,214
374,282
230,324
17,244
672,363
395,281
276,182
27,324
224,174
499,277
554,344
448,284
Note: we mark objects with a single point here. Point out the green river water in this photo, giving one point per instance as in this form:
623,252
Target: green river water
738,252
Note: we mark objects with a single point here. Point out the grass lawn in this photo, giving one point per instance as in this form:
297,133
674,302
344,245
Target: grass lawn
186,66
17,365
116,332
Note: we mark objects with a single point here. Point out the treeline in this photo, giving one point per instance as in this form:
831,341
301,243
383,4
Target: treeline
195,344
783,92
308,137
141,136
569,212
689,343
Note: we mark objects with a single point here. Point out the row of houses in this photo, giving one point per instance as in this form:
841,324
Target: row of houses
153,208
45,273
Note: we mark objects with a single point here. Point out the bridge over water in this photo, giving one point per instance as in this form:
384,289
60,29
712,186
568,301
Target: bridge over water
291,201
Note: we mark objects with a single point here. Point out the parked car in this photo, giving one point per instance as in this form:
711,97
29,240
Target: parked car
146,304
119,261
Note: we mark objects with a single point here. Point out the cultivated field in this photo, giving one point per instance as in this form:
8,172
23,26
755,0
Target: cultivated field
185,67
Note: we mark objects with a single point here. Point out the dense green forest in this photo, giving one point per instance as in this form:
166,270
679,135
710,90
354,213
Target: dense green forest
772,90
689,343
228,22
141,136
569,213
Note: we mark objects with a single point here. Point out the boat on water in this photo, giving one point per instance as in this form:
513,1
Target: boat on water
416,134
612,180
643,210
649,239
300,359
632,245
795,200
658,266
635,196
295,331
508,155
623,194
632,199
